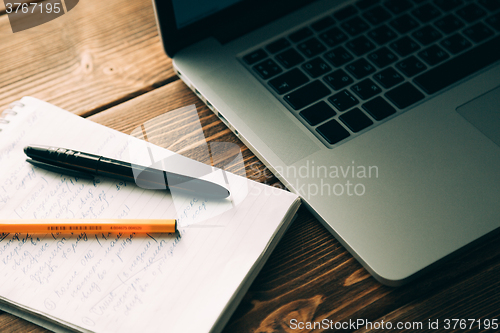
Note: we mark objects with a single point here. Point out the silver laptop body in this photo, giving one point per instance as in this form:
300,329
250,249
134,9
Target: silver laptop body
402,194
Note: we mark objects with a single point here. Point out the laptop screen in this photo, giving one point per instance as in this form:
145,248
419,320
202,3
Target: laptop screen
190,11
184,22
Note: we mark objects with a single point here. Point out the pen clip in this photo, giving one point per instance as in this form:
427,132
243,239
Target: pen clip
61,170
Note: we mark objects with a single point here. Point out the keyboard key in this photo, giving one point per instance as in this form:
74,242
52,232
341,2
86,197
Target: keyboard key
301,34
356,120
491,5
382,57
316,67
448,24
427,35
343,100
338,56
494,21
360,45
366,89
338,79
478,32
388,78
382,34
404,23
426,13
360,68
398,6
411,66
448,5
377,15
433,55
460,67
267,69
471,12
306,95
378,108
288,81
323,23
255,56
317,113
355,26
404,46
404,95
278,45
333,37
289,58
345,13
456,43
311,47
333,132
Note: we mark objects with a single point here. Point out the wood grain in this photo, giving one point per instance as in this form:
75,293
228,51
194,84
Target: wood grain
13,324
99,54
476,297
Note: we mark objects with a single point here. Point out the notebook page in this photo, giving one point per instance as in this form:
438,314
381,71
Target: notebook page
123,282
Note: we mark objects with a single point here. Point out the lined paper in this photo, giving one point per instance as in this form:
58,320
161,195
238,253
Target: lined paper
124,282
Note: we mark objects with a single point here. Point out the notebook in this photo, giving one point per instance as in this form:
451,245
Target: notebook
190,281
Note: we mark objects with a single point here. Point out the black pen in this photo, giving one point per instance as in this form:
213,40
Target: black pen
77,163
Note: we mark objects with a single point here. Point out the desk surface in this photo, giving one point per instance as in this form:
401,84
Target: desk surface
103,60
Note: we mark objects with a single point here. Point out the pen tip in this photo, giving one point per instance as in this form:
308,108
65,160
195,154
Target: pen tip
220,193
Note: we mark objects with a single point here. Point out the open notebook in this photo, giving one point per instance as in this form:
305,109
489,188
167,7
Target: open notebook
186,282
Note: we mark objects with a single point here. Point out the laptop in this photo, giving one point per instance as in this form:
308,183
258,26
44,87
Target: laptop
384,116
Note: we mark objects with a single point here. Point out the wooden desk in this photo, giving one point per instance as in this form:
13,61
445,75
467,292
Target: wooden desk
103,60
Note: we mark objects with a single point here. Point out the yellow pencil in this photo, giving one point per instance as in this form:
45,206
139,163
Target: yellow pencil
88,225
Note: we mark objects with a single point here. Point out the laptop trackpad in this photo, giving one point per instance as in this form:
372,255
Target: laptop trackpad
484,113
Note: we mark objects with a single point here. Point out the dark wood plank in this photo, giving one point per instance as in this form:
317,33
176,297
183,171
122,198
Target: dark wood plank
12,324
97,55
475,298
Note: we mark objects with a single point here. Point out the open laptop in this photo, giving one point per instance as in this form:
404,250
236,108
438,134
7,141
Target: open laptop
383,115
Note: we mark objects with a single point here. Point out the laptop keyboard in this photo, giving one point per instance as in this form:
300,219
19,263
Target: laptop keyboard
369,61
